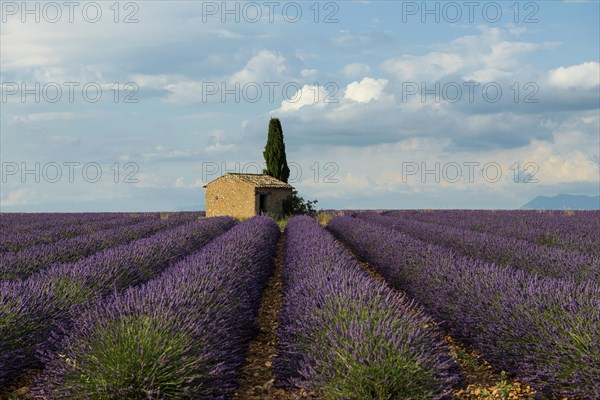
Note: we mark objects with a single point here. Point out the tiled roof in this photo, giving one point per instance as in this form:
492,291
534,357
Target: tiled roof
258,180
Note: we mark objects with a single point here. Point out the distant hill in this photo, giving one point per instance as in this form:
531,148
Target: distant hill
563,202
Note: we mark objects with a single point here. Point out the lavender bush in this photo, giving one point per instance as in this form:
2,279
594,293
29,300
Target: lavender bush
567,230
24,222
32,308
541,260
181,335
347,336
544,330
21,264
15,241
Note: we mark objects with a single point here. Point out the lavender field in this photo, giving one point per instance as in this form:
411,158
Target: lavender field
371,306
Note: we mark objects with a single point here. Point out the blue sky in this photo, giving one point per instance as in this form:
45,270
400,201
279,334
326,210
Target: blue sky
383,104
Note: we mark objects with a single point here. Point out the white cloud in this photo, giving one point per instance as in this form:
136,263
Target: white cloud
506,54
43,117
308,73
180,184
227,34
263,66
28,46
582,76
154,81
219,148
348,40
483,57
431,66
381,170
550,163
303,55
355,181
356,70
571,167
180,89
149,180
24,46
216,145
486,75
366,90
309,95
19,197
65,139
185,92
163,153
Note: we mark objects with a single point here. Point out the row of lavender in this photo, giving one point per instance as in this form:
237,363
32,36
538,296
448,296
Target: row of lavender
23,263
560,221
15,241
31,309
574,230
25,222
344,335
541,260
17,223
543,330
181,335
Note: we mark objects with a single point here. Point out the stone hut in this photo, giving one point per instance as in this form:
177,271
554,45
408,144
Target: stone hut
246,195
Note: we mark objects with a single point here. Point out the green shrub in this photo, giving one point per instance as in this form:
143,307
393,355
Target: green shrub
296,205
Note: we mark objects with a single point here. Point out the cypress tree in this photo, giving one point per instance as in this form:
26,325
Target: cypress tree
274,152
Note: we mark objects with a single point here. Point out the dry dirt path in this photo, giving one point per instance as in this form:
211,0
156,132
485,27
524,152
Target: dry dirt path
257,380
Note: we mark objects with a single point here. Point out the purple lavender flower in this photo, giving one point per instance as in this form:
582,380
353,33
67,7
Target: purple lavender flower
345,335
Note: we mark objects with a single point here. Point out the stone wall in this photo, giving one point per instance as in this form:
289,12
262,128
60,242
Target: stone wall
229,196
274,200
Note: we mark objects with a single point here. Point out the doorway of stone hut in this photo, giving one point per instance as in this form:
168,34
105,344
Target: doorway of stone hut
262,203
